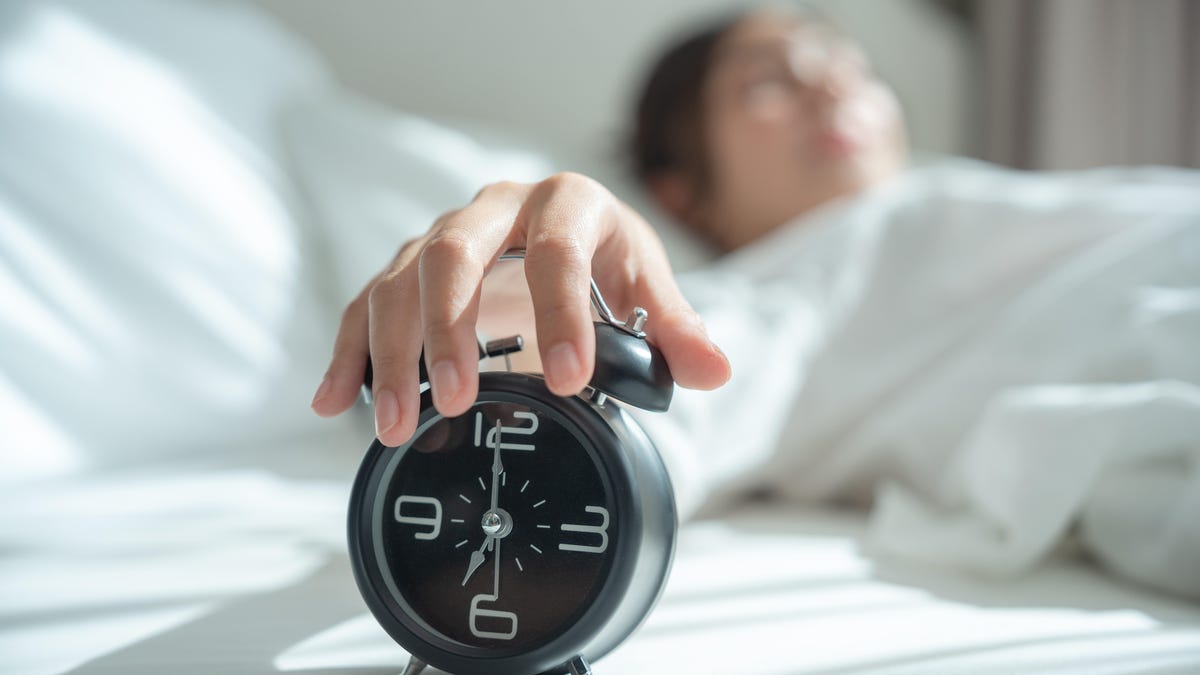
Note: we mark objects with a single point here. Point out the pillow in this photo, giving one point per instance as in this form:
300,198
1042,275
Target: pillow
153,284
376,177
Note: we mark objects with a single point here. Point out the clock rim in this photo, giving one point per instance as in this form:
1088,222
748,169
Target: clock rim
437,650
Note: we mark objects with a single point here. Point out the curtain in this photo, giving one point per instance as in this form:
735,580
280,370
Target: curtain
1078,83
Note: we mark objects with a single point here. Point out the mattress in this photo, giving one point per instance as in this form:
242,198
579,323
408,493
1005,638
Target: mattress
237,564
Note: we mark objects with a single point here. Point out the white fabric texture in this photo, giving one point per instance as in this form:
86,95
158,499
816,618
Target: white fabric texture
155,288
195,570
376,177
180,226
1001,355
994,357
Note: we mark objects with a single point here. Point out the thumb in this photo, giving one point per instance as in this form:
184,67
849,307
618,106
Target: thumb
695,361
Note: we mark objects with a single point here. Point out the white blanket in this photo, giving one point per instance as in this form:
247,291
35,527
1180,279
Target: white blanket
991,357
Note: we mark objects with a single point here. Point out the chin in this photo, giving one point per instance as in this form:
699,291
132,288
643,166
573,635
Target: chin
868,166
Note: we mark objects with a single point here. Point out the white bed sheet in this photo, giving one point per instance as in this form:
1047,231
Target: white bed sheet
237,564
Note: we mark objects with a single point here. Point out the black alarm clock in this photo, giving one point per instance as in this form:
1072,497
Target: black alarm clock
531,534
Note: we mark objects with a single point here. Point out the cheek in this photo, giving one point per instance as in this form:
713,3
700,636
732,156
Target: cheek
771,122
755,138
879,112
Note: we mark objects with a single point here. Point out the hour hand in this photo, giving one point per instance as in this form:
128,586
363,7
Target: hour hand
476,560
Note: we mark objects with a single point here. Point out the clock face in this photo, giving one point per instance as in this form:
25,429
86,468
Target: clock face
496,528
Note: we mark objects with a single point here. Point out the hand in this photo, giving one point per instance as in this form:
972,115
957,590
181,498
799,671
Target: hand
572,228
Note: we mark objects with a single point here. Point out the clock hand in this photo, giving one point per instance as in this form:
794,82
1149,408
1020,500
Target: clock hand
476,559
497,468
496,574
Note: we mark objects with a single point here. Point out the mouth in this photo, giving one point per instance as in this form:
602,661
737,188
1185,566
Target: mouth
838,143
843,134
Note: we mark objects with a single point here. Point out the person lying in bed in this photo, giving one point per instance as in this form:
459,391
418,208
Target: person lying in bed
993,360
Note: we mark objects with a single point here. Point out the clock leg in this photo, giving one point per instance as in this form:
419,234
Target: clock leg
579,666
415,666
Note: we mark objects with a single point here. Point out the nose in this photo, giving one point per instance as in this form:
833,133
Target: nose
836,82
823,69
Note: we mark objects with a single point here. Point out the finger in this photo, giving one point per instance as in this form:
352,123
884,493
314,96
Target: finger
562,227
696,362
453,264
343,378
395,342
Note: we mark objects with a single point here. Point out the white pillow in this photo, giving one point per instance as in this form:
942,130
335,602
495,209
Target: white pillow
377,177
153,288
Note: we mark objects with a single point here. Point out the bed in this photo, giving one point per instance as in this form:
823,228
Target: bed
179,228
198,566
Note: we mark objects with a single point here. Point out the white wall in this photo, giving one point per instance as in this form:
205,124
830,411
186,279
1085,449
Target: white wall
564,71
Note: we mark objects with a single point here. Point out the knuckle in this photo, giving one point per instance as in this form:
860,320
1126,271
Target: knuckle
389,364
441,220
554,248
499,189
387,288
560,313
354,311
406,250
450,246
438,331
681,314
377,294
379,290
568,181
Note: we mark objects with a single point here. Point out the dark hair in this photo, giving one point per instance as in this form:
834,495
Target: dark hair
669,117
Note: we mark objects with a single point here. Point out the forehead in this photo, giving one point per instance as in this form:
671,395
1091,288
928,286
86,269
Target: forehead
768,36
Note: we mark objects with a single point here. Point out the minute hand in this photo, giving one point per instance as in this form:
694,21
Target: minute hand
497,469
477,557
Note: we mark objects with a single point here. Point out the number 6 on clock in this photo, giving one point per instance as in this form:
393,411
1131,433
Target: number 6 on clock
477,612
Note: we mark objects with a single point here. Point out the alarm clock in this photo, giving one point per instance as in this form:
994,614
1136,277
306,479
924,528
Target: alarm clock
531,534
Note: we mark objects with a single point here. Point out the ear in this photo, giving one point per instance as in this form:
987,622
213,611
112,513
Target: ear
675,194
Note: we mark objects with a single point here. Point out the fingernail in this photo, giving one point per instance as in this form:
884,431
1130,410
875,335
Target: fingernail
443,377
322,391
562,362
387,411
713,346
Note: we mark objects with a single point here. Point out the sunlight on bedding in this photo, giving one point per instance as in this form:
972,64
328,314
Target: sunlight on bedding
188,198
155,294
55,452
824,607
142,107
31,268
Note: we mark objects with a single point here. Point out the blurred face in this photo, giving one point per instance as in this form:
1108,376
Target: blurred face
794,117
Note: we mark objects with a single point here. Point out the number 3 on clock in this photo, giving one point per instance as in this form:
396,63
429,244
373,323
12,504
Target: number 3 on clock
601,530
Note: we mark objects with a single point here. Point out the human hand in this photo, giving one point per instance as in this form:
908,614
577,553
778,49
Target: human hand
573,229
